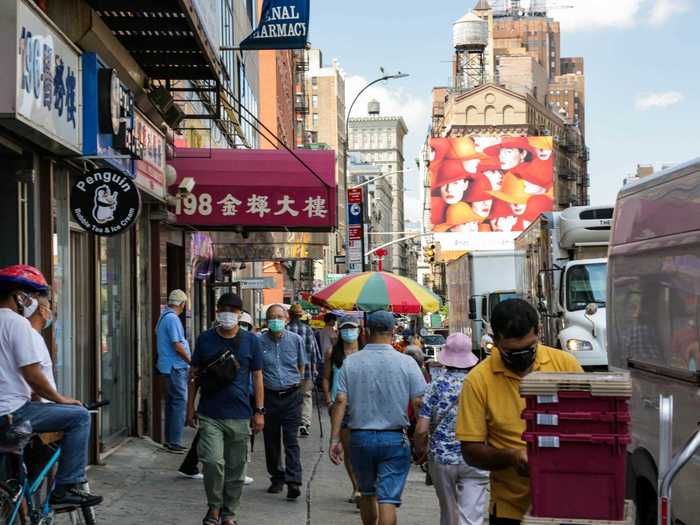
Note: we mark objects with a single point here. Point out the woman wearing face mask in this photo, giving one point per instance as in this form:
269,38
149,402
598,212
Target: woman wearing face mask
347,344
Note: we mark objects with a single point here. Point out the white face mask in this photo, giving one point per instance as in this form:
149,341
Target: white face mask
29,310
227,320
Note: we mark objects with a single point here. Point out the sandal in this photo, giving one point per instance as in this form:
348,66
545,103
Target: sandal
210,520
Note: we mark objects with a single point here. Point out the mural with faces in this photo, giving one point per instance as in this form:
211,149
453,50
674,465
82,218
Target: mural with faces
485,184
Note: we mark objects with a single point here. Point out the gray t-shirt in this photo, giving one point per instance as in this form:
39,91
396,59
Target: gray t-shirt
379,382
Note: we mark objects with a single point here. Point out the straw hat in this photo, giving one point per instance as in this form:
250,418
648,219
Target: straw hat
457,352
512,190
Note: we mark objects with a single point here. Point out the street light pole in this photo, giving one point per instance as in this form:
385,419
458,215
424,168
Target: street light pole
380,177
346,144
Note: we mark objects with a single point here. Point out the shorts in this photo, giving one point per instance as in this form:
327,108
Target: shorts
381,461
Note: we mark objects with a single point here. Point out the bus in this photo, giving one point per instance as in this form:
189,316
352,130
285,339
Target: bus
653,320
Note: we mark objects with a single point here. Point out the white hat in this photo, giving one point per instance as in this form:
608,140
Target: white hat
246,318
177,297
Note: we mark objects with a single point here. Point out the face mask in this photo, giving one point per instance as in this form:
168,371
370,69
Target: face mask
48,323
276,325
227,320
350,335
28,310
244,327
520,360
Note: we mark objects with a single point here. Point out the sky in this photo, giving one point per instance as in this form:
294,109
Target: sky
641,67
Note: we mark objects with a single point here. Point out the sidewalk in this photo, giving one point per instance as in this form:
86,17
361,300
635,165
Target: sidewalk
140,486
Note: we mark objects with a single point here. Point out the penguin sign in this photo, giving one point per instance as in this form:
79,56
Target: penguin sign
105,201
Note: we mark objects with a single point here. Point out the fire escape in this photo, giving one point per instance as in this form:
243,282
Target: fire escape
301,104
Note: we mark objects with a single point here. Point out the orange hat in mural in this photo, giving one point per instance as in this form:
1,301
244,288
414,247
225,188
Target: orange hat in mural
512,190
449,171
442,148
510,143
463,148
479,189
488,164
541,142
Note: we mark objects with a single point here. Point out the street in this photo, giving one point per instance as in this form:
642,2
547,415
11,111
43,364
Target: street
140,486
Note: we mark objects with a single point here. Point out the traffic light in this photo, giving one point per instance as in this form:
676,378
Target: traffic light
429,253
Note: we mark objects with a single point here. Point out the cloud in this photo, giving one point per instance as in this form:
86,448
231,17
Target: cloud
395,100
660,100
663,10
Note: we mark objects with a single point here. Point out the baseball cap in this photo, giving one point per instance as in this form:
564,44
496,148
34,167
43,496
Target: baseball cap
177,297
230,299
381,320
346,320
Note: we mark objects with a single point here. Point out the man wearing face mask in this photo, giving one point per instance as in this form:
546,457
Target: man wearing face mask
489,424
21,287
284,357
224,411
41,320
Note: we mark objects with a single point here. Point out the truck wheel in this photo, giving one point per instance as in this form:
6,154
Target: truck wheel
646,501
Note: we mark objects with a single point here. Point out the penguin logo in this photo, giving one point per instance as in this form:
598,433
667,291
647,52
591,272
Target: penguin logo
105,204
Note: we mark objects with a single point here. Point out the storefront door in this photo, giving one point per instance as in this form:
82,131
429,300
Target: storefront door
117,344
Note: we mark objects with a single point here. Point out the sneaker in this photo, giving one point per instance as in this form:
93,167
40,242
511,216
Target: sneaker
174,449
304,430
293,492
196,475
73,496
275,488
248,480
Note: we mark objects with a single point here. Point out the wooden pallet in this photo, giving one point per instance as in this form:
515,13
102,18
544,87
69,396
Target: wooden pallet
630,519
598,384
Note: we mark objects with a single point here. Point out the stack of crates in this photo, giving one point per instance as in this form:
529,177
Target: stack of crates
577,436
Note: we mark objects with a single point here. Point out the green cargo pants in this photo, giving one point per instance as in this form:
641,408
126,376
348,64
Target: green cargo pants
222,450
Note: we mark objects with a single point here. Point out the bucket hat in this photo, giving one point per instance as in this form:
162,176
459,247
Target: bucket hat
457,352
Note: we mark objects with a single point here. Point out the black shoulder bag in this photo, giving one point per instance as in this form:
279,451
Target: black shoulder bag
221,371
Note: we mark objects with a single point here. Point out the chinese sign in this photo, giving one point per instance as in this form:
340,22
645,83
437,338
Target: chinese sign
105,202
150,171
47,96
356,232
284,24
264,189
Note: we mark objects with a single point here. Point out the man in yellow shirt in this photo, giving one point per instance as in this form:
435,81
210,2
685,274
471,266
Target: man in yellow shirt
489,423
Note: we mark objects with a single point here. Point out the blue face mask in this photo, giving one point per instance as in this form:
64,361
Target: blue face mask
275,325
350,335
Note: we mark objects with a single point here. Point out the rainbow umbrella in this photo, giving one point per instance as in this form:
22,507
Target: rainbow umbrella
372,291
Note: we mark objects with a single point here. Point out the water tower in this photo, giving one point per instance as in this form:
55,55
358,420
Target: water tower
373,108
470,38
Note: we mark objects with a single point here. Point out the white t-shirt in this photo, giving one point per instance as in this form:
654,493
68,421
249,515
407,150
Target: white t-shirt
46,363
17,349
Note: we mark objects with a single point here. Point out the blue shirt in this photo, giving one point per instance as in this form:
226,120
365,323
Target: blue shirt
440,403
282,359
379,382
312,351
232,402
169,331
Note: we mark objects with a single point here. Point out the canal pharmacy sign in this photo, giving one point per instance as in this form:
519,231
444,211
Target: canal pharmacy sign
284,24
105,202
43,98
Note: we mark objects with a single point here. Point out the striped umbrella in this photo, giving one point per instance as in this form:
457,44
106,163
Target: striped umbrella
372,291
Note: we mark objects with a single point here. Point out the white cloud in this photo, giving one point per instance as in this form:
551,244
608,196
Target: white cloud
394,101
660,100
665,9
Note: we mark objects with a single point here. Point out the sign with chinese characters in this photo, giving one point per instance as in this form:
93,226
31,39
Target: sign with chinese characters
284,24
150,171
259,189
47,92
105,202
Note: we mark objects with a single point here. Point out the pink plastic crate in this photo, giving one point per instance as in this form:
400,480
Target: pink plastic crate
577,401
577,475
564,422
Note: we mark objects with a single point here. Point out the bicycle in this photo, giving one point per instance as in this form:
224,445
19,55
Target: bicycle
20,499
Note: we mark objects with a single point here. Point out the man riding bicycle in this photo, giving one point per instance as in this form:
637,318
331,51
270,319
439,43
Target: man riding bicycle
21,374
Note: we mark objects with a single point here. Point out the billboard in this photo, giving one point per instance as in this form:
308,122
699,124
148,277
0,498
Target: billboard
484,190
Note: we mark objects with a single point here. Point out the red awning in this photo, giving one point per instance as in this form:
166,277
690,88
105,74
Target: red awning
261,189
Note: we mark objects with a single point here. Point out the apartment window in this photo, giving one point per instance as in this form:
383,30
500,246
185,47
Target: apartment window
314,101
314,119
314,81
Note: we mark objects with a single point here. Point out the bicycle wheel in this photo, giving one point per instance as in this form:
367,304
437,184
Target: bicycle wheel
6,504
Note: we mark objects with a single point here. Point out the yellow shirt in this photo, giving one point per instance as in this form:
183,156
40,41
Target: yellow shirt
490,409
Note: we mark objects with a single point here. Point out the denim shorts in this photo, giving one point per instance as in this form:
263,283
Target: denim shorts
381,461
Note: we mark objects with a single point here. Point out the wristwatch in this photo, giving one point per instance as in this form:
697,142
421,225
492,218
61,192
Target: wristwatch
260,411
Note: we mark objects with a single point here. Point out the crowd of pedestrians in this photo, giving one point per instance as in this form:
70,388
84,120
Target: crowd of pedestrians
458,418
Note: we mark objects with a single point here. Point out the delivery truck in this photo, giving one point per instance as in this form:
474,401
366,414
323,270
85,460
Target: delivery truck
563,274
476,283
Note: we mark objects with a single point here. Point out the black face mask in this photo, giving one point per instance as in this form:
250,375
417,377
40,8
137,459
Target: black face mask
519,360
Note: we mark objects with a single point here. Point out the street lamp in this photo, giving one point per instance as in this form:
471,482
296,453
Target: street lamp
379,177
347,136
